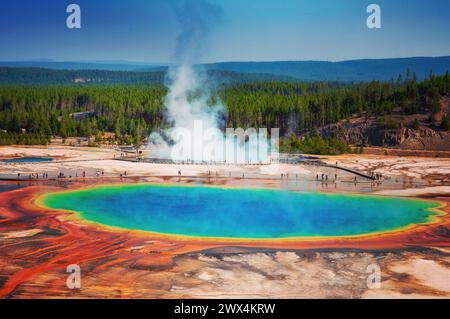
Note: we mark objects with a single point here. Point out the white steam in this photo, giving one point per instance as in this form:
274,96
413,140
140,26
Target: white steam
196,134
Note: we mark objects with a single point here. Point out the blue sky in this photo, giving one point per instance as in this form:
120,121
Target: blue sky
248,30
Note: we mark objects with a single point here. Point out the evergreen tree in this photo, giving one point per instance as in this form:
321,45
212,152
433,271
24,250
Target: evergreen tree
445,125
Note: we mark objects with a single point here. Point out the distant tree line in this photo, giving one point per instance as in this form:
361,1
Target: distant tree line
23,139
32,76
44,77
314,144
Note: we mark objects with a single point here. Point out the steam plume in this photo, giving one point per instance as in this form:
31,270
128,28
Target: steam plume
188,102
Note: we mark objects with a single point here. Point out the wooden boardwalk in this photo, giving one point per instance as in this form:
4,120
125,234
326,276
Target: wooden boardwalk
349,170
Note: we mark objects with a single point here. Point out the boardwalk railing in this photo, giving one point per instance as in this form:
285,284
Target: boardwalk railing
352,171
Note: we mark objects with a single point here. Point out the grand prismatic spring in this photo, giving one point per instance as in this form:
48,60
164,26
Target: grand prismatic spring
218,212
150,237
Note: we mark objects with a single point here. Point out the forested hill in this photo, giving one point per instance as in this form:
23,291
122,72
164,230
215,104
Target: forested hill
41,76
348,71
77,65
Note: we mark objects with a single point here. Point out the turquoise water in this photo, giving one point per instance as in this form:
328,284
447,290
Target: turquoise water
240,213
28,160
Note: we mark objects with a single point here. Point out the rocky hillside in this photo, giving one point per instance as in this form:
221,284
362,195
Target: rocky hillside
414,132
